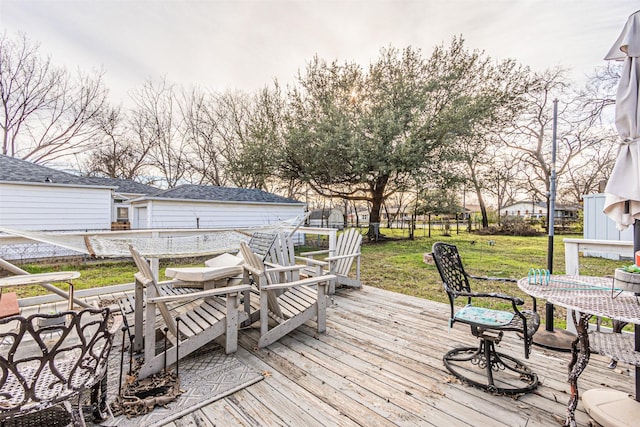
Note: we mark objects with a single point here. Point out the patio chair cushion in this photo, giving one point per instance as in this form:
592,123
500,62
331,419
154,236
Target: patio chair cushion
203,274
224,260
483,316
9,304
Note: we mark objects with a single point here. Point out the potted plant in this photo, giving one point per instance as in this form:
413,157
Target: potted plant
627,278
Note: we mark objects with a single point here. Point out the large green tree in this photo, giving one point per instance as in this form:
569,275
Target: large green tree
365,135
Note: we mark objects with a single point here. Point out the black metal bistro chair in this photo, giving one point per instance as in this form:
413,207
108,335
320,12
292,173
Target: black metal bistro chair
483,366
47,360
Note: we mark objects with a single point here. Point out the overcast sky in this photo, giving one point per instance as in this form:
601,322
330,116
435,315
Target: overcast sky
244,44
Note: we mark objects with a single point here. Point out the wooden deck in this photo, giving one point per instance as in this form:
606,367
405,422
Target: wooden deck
380,364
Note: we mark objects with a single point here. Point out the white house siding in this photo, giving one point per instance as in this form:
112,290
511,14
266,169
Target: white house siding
335,220
523,209
599,226
54,207
215,214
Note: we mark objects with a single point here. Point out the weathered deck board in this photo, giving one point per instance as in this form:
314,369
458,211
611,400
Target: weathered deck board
380,364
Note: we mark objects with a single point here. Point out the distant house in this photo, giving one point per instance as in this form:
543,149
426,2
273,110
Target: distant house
538,210
34,197
199,206
326,217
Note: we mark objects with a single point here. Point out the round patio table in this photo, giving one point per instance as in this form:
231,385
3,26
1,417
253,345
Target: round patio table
593,296
38,279
44,279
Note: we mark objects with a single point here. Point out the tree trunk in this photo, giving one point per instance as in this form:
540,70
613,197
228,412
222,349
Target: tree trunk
346,214
377,201
483,207
355,210
386,211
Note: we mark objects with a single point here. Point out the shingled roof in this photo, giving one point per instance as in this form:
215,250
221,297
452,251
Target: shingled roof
123,185
227,194
17,170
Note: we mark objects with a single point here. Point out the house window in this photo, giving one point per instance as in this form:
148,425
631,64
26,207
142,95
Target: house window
123,214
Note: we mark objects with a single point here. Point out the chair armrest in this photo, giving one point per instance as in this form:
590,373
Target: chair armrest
145,281
272,268
201,294
276,268
337,257
311,261
308,281
326,251
117,321
494,279
252,269
515,300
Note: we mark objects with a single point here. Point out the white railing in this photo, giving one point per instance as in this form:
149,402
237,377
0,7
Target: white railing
17,240
572,249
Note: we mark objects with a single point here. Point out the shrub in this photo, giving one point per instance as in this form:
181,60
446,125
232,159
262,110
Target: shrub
511,227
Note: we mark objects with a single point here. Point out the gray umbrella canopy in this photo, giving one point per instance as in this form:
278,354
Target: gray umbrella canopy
624,183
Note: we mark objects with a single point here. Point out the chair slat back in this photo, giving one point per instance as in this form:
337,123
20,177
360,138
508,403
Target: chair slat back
348,243
145,269
261,243
253,260
283,253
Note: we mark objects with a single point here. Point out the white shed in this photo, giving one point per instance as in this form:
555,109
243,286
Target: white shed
198,206
599,226
326,217
37,198
34,197
125,190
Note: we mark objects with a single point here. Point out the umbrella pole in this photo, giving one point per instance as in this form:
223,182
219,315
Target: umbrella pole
558,339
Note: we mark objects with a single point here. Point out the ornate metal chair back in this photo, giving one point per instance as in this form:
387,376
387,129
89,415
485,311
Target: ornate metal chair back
46,359
450,267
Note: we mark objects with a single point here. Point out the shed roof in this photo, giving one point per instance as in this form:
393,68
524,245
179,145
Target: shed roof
323,213
226,194
123,185
17,170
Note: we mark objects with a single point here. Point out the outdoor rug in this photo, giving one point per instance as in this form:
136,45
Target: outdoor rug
205,376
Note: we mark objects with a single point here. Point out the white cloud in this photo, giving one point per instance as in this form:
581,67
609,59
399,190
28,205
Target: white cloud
245,44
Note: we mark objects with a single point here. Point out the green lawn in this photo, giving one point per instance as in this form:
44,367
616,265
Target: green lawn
397,265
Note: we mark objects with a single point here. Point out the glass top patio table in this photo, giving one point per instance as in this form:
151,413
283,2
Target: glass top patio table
587,296
38,279
596,296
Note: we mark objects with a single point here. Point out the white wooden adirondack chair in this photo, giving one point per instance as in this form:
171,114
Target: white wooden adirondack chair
339,262
288,304
209,316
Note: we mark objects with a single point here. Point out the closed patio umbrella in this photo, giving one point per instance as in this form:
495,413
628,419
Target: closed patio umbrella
622,202
622,205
